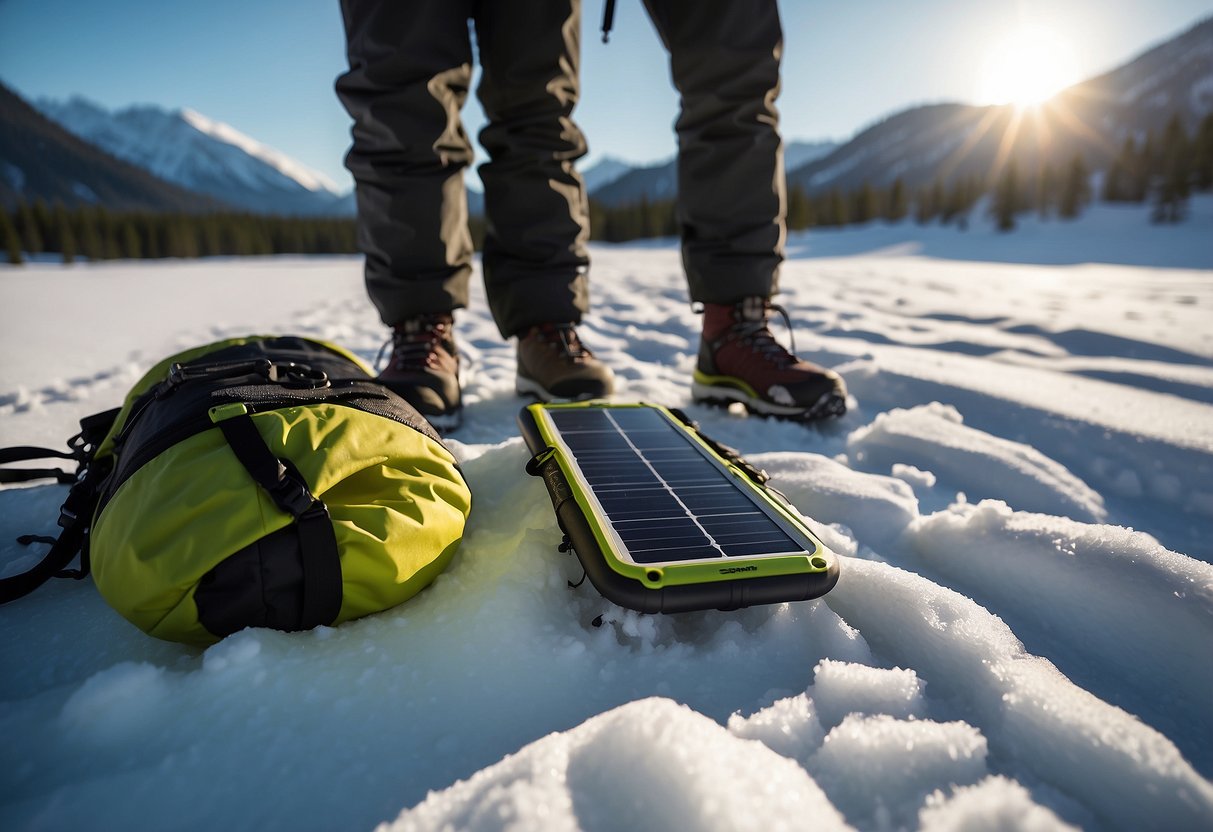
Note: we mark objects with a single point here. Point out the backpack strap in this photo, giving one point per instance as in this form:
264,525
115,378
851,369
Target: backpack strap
285,485
76,513
24,453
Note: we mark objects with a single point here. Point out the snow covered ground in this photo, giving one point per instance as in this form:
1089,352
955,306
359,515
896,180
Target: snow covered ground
1022,637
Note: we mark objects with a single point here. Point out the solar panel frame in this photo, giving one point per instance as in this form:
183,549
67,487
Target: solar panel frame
730,583
675,497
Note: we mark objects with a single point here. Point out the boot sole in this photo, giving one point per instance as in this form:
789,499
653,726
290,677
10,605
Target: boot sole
524,386
828,406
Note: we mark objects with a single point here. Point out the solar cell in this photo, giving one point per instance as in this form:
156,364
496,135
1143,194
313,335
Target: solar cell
666,499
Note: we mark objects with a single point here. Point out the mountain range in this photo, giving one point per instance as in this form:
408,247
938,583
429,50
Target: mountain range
943,141
147,157
202,155
614,183
41,160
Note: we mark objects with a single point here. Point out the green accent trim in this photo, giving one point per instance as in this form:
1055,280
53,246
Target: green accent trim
724,381
544,456
222,412
818,559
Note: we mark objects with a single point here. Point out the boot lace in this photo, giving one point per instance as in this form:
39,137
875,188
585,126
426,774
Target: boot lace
757,334
415,350
563,337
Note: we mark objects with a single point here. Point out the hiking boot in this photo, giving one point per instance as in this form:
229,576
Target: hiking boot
740,361
554,364
424,369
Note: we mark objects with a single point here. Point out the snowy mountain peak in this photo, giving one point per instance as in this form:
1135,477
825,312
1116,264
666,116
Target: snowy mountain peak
203,155
308,178
797,153
604,172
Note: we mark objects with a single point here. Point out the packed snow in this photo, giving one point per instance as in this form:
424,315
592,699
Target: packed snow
1021,494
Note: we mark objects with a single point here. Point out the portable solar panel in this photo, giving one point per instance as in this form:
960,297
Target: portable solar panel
665,519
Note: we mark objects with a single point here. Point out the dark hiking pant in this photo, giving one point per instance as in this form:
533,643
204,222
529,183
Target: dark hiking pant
410,70
724,60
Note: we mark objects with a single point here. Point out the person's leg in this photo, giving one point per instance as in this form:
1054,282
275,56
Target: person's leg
724,59
409,73
535,259
410,69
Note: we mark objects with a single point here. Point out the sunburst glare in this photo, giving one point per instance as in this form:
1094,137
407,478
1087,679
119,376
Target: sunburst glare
1026,67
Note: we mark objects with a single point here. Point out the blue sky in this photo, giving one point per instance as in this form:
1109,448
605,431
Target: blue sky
267,66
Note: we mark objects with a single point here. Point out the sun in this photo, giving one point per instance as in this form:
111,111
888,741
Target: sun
1026,67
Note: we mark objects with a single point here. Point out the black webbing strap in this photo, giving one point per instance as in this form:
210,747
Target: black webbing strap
31,474
75,517
25,453
281,480
76,514
52,564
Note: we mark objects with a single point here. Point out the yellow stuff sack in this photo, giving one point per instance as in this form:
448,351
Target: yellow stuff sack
260,482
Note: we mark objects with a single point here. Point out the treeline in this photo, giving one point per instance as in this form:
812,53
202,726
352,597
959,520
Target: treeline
1048,193
1163,170
95,233
945,202
832,209
636,221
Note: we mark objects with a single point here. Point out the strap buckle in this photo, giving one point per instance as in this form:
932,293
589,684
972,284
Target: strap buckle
290,493
286,373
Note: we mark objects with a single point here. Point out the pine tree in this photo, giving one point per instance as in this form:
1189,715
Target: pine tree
1075,189
898,203
1113,182
67,234
924,206
1122,179
1149,164
27,228
179,239
9,239
938,198
1006,203
86,234
597,221
655,218
147,236
46,229
1202,155
671,226
1046,191
959,201
128,239
107,233
798,209
836,212
863,202
1171,194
